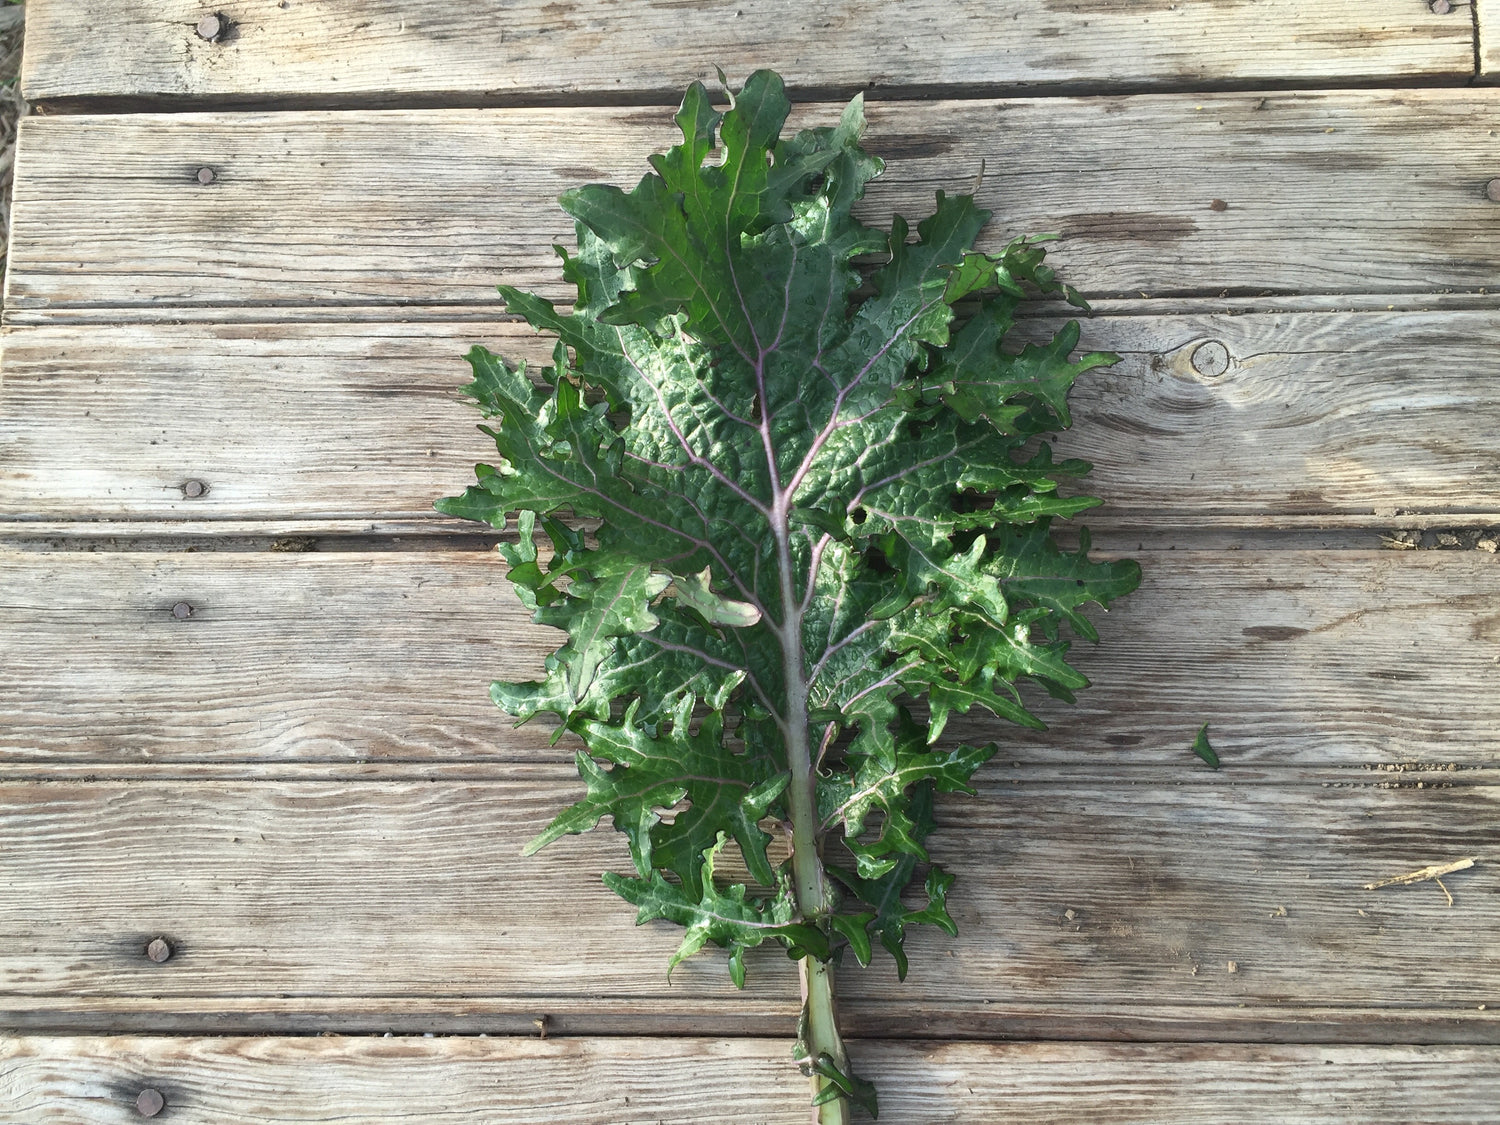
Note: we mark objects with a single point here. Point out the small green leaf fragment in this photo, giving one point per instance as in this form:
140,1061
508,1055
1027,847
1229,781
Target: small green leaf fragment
693,592
855,928
1203,749
844,1084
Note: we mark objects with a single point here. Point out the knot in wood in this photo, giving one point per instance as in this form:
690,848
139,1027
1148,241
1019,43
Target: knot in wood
1211,359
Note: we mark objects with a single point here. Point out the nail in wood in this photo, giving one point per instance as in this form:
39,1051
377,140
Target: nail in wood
150,1102
160,949
182,611
210,27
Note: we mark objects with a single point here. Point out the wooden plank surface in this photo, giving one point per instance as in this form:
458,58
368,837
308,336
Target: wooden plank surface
239,1081
1337,658
1252,418
1343,192
383,50
1099,911
285,656
297,778
1487,23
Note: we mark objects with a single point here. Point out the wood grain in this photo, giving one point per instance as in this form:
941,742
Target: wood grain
1338,658
1345,192
240,1081
297,780
1097,911
358,51
1255,418
495,1081
284,656
1487,21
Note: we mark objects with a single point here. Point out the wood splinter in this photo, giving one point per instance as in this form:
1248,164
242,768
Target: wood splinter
1434,872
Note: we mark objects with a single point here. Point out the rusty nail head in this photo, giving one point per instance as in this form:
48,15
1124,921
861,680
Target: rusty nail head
206,176
210,27
182,611
160,949
1218,205
150,1102
1441,7
193,489
1492,190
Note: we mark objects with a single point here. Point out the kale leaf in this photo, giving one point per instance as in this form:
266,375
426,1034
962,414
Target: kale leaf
823,527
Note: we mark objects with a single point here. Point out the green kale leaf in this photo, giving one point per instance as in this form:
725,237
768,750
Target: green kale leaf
823,510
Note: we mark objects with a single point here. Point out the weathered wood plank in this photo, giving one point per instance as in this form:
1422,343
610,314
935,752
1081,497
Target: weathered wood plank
239,1081
1487,19
1254,417
1346,658
284,656
1099,911
362,51
1351,192
278,421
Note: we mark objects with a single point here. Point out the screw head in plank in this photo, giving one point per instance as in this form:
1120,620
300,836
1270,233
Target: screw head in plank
150,1102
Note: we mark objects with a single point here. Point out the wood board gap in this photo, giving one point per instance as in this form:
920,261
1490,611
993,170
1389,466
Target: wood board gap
269,541
493,313
670,98
1182,771
1123,537
1122,302
1307,1027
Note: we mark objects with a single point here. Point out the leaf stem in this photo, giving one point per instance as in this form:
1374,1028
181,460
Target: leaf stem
823,1035
809,881
807,868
